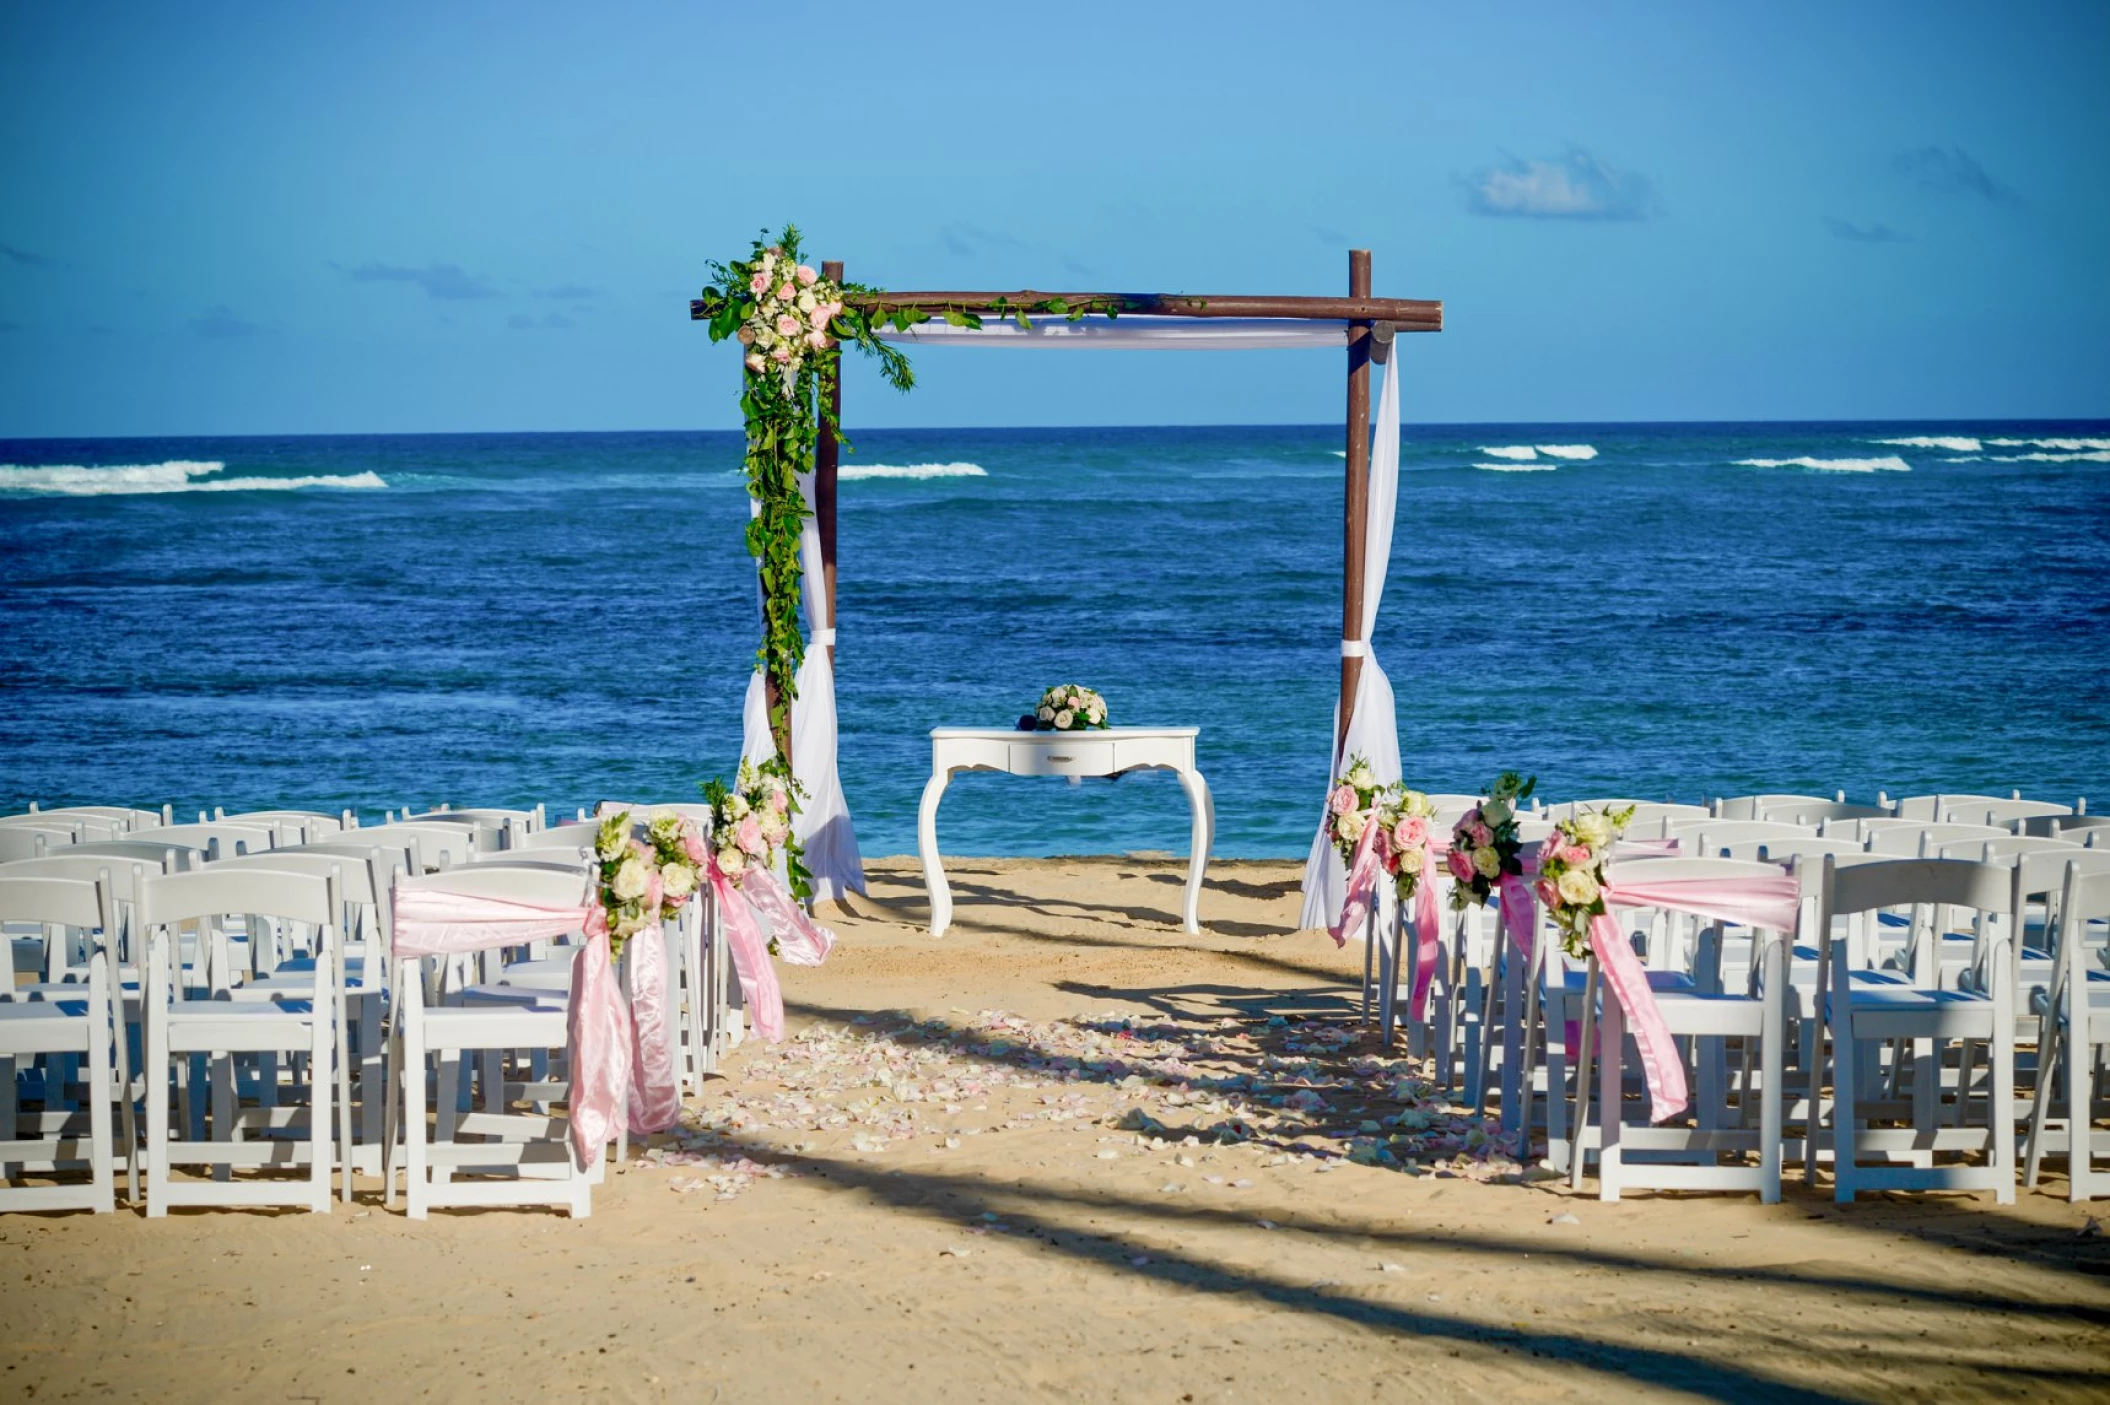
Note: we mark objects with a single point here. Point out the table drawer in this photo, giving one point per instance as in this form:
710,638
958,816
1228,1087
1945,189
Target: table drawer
1062,758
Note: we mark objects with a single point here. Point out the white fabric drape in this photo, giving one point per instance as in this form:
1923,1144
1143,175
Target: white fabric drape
1373,731
1134,332
823,826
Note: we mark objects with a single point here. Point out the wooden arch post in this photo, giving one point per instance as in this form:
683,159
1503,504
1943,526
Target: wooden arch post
1356,511
827,457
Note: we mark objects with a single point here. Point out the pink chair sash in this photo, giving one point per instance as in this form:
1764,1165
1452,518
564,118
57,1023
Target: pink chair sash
619,1056
750,948
801,941
1364,871
1759,902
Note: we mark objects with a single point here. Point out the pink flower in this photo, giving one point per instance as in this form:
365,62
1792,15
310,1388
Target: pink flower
782,355
758,283
675,904
749,837
1574,855
817,340
780,801
806,276
1549,895
1386,854
819,319
1460,866
692,844
1411,830
755,361
787,325
1482,835
1343,800
786,293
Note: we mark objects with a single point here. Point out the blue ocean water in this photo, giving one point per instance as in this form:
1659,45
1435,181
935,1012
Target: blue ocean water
1651,610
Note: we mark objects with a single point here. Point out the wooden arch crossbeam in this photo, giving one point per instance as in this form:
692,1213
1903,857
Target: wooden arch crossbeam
1372,324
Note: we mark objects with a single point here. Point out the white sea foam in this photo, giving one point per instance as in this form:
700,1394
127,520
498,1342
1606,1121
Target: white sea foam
1954,443
2068,445
1569,451
912,470
1889,463
1518,467
174,476
2084,456
1509,451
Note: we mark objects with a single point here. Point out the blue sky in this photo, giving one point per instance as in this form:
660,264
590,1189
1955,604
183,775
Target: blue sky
377,217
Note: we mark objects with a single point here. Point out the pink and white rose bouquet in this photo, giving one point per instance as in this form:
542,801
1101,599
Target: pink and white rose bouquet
790,307
1485,846
751,822
1401,815
1071,707
1571,872
646,876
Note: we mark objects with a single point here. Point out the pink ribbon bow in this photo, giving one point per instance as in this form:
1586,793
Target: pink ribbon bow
1768,902
619,1055
1363,874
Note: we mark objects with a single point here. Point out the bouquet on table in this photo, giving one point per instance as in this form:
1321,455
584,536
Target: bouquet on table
642,879
1399,816
1485,848
1571,872
1068,708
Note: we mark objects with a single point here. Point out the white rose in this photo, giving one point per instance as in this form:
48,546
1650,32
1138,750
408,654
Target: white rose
1578,887
1593,829
773,827
737,807
1096,716
1487,863
631,879
1047,714
1350,826
807,302
614,843
1064,718
1494,813
677,880
1359,776
731,862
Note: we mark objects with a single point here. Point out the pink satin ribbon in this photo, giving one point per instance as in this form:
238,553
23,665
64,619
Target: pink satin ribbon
750,948
619,1055
1757,902
801,941
1363,874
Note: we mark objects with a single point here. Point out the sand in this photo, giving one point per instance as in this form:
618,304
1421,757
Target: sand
907,1201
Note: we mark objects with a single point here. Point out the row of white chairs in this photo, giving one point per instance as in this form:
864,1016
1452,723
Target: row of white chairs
1755,1012
255,987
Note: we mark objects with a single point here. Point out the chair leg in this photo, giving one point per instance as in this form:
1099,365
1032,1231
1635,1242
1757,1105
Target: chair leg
1845,1097
1586,1045
157,1080
321,1116
1611,1095
416,1188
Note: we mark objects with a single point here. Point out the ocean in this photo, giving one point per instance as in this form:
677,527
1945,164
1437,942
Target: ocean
1653,610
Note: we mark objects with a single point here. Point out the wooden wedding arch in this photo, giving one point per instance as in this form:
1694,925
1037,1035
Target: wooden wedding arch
1371,324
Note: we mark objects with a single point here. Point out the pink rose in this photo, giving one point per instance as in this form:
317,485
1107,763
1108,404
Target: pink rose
1549,895
759,283
1574,855
786,293
749,836
780,801
817,340
819,319
787,325
1343,800
806,276
1482,835
675,904
1460,866
1411,830
755,361
782,355
692,844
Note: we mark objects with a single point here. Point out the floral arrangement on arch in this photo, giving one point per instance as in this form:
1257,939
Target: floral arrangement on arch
1401,816
644,878
1485,847
1071,707
751,824
1571,872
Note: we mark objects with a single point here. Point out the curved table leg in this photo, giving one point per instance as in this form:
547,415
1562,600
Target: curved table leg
1201,838
927,847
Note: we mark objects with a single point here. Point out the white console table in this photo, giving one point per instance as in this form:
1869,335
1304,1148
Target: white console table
1106,751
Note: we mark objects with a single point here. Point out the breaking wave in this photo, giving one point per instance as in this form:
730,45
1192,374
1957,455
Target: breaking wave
1569,451
912,470
1517,467
1955,443
1511,451
174,476
1889,463
2070,446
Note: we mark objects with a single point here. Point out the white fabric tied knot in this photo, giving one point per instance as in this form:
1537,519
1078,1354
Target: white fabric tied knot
1355,648
823,639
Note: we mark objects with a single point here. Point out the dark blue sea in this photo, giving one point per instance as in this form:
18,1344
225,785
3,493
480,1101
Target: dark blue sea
1669,610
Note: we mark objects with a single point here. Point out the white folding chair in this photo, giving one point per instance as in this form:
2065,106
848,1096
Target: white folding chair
2073,1047
74,1026
519,1158
224,1029
1860,1017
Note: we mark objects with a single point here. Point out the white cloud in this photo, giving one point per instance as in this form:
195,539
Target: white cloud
1577,186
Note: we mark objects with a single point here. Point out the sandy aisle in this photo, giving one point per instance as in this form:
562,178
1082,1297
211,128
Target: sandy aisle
956,1217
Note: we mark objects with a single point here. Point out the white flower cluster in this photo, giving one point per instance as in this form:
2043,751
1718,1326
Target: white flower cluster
1071,707
645,877
792,308
1571,872
751,823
